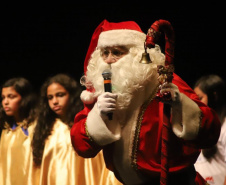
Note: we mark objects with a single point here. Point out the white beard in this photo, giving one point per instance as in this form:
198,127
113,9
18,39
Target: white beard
128,75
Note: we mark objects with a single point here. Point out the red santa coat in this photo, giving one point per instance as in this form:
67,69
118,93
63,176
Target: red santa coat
145,142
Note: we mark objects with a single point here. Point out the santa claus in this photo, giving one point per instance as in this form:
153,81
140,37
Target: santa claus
131,140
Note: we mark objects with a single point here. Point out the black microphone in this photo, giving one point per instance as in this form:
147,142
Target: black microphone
107,86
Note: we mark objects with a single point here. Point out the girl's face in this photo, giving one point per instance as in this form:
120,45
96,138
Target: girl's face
11,101
58,98
202,96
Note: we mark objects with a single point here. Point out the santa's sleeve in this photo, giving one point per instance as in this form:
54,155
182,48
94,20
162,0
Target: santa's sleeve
192,120
81,141
90,133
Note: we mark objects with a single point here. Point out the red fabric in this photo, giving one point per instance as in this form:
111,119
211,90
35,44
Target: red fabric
199,180
162,26
106,26
181,153
93,43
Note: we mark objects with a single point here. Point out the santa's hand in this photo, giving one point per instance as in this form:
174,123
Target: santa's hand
171,90
106,103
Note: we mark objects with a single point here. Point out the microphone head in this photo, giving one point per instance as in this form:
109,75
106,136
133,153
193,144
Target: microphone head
106,73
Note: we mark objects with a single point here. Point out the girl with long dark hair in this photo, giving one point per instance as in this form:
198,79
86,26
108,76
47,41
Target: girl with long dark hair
17,116
52,149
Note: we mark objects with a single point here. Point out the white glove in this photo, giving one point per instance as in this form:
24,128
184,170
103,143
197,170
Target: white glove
173,89
106,103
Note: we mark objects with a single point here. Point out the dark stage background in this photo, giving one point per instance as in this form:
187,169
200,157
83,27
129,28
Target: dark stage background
41,40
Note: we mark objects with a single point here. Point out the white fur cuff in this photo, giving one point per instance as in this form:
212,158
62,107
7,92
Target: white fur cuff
186,118
98,130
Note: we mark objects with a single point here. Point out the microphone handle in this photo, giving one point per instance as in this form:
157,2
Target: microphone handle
107,88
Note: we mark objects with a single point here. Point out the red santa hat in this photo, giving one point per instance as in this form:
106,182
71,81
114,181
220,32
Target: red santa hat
115,34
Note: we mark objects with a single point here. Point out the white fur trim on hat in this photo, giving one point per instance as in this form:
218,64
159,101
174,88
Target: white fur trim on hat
121,37
87,97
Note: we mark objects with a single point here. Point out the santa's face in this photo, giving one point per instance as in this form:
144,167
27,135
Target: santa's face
128,75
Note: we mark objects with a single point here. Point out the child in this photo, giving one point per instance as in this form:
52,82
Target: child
52,148
17,115
211,163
